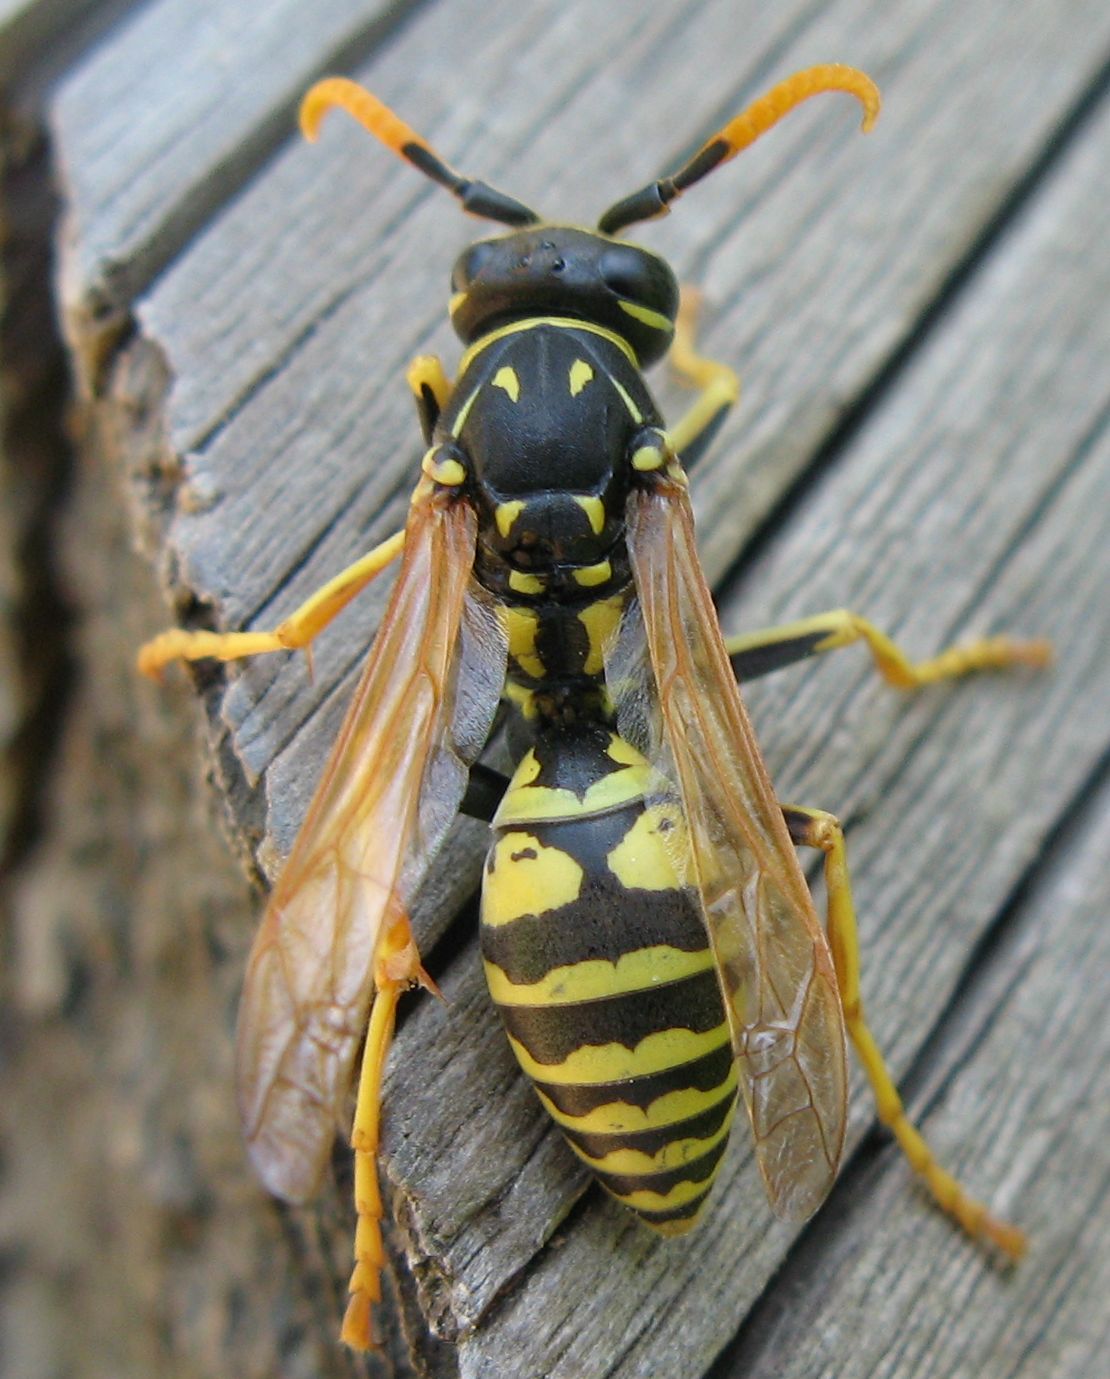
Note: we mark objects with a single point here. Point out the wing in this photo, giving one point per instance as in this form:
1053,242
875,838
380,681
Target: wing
390,789
774,964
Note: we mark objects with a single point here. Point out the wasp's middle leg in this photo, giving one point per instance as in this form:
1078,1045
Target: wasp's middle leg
816,829
758,653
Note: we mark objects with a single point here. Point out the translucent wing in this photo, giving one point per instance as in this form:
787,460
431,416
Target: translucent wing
774,963
389,791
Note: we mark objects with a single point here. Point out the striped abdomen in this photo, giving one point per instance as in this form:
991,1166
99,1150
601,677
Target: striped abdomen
597,958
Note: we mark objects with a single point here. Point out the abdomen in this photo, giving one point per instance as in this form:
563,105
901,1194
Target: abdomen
597,959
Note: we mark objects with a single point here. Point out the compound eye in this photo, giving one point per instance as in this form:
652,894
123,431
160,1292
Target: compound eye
470,263
642,278
622,270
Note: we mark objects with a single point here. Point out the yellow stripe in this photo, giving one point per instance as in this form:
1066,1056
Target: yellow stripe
644,1200
464,412
633,411
655,319
622,1118
673,1155
598,977
541,803
610,1062
563,322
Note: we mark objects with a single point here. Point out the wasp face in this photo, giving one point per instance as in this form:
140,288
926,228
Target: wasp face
559,270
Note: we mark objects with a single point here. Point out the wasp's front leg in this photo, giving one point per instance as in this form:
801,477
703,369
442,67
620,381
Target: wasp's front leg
718,384
816,829
295,633
432,390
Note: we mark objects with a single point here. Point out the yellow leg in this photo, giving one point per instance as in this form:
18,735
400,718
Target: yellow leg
396,967
816,829
719,385
296,632
432,390
757,653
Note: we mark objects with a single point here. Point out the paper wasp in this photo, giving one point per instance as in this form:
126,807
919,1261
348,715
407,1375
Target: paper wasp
648,935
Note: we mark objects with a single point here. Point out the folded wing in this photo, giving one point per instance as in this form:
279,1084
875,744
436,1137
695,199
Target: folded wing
388,793
773,961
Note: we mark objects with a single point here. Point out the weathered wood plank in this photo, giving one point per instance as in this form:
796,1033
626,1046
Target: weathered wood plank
887,1294
957,511
282,321
159,126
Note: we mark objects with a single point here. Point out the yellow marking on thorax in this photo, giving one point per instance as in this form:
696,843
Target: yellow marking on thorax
639,970
652,854
624,1118
593,1063
463,412
674,1155
594,509
633,411
580,374
589,576
521,626
561,322
522,697
525,877
508,380
520,582
600,620
506,513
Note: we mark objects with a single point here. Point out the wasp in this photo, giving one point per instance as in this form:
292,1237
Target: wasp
647,932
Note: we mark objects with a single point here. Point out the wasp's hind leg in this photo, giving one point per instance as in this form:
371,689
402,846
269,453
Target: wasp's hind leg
816,829
432,390
294,634
396,968
758,653
719,385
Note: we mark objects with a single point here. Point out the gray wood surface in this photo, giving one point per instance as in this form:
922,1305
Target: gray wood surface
920,323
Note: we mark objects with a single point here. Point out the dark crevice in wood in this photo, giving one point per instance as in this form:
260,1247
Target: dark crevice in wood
858,411
38,460
961,1027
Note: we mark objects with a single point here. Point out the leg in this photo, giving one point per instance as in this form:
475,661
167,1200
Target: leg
816,829
758,653
295,632
719,386
396,968
431,389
